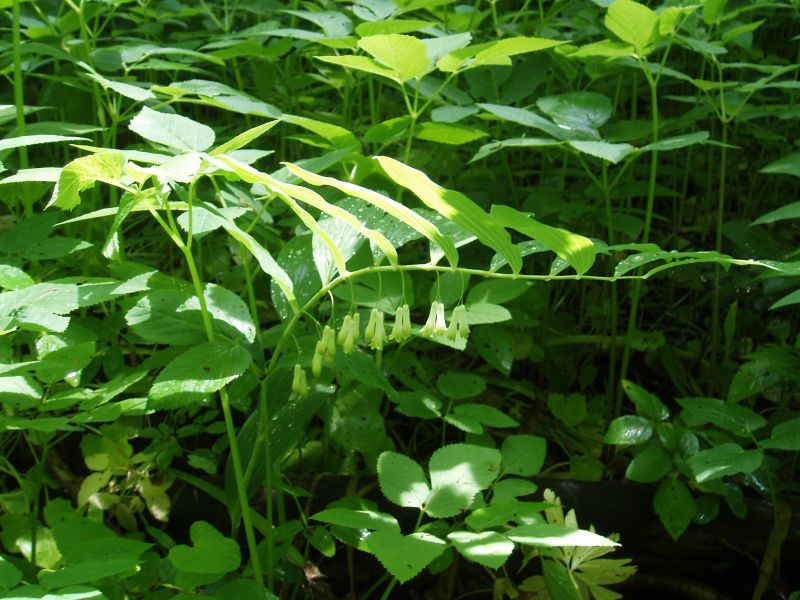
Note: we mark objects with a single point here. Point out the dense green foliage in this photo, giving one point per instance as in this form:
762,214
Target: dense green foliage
451,245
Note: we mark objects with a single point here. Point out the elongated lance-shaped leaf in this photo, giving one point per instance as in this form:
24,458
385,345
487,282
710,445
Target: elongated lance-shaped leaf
261,254
577,250
392,207
314,199
243,138
456,207
251,175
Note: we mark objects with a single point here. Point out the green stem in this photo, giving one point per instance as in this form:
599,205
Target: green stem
636,293
19,97
715,316
230,429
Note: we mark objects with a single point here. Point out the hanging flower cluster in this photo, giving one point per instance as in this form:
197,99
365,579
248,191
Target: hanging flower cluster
375,335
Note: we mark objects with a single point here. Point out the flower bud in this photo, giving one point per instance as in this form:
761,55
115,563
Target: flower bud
459,328
299,382
316,361
328,344
375,332
401,330
436,324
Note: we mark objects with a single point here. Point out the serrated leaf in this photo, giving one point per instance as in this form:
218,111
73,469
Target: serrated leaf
81,174
487,548
458,472
577,113
676,142
404,55
612,153
174,131
201,370
402,480
559,581
454,206
577,250
634,23
500,513
523,454
404,556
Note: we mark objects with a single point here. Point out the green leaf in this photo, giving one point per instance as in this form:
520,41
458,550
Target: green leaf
485,415
458,473
634,23
497,291
559,581
628,430
174,131
713,10
524,117
647,404
731,417
358,519
484,313
552,535
460,386
10,575
243,139
81,174
32,140
359,63
787,300
612,153
785,436
577,250
496,346
677,142
210,552
402,480
580,113
201,370
498,52
674,505
448,133
570,409
454,206
487,548
725,459
788,165
649,465
404,55
505,510
787,211
404,556
523,454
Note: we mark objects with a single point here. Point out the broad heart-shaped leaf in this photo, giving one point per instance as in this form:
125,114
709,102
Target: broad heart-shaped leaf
785,436
404,556
458,473
647,404
722,460
712,10
487,548
731,417
405,55
199,371
634,23
210,552
81,174
174,131
606,151
456,207
577,250
674,505
580,113
523,454
552,535
402,480
628,430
